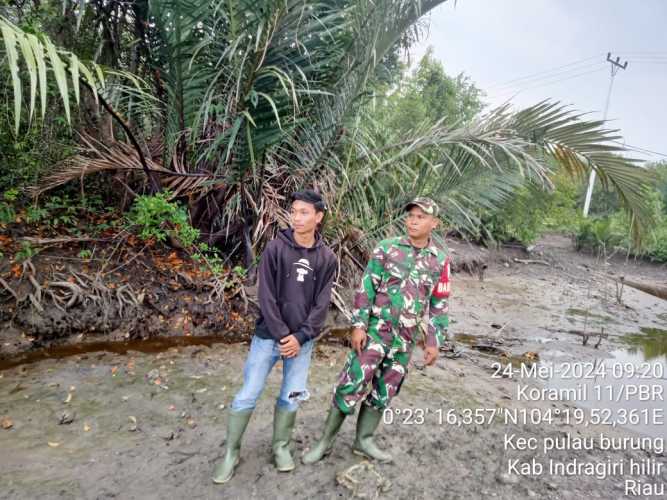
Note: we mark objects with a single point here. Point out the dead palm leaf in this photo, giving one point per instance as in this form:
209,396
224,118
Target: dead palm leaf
96,157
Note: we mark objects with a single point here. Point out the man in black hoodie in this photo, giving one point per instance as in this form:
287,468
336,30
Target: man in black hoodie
296,274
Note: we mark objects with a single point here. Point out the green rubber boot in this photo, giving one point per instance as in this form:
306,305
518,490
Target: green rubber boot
367,423
324,446
236,425
283,424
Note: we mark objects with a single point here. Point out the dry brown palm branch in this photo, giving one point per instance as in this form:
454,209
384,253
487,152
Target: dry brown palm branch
95,157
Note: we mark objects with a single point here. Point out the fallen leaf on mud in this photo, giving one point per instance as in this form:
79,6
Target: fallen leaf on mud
69,398
191,422
53,444
363,480
7,423
86,427
114,369
174,261
18,388
133,423
200,391
16,270
66,418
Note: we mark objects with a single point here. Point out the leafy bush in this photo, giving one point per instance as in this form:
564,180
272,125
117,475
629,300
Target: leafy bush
532,211
598,234
155,217
604,234
63,211
39,146
657,248
7,212
26,252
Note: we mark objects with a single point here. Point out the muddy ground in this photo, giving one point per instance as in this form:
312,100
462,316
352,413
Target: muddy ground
152,424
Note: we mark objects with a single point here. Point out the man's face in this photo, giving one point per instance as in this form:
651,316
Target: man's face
420,224
304,218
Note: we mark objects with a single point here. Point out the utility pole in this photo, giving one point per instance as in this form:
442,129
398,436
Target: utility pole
615,67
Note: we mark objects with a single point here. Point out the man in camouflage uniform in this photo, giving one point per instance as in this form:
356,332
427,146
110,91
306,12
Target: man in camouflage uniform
395,301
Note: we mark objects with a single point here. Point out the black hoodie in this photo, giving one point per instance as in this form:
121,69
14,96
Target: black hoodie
294,288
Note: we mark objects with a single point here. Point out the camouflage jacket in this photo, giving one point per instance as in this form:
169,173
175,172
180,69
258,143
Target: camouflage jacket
396,294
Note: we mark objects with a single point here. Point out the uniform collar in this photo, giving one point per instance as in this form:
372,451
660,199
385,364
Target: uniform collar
405,241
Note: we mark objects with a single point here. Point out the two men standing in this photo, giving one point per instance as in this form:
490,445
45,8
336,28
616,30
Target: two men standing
396,295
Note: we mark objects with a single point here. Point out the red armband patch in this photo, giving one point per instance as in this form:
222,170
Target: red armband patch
442,287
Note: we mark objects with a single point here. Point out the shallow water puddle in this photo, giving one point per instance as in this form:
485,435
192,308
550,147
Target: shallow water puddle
651,343
150,346
627,389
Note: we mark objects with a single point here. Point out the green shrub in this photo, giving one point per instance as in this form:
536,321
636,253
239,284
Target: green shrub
657,247
533,210
7,212
157,217
26,252
598,234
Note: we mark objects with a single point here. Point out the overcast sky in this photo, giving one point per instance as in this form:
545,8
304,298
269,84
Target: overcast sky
528,50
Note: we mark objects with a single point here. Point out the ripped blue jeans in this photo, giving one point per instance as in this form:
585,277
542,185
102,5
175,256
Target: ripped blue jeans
264,353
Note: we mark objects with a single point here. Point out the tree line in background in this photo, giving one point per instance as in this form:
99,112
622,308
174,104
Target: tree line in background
194,119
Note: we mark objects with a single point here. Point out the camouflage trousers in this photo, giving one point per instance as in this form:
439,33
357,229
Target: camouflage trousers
382,367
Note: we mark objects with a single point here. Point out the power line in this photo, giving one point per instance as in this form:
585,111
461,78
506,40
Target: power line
640,53
547,83
544,72
650,62
537,80
661,58
640,150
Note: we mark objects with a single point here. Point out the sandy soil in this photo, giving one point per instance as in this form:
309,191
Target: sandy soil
153,425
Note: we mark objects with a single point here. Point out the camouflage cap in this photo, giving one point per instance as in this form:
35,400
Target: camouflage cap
426,204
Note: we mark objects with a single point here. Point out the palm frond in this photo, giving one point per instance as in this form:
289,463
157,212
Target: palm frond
581,145
117,157
37,56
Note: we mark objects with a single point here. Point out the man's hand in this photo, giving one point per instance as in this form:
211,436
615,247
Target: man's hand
289,346
359,337
430,355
